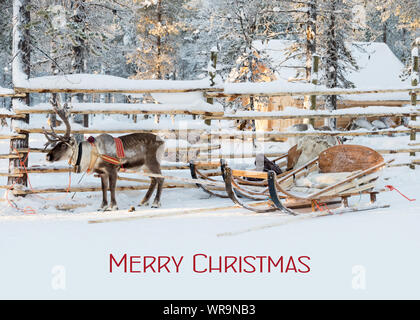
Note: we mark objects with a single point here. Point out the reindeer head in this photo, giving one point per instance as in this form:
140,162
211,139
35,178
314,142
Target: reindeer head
62,145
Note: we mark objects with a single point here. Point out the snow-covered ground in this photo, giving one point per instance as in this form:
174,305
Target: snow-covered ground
378,249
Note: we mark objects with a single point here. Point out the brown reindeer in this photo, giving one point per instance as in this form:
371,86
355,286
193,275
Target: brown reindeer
99,155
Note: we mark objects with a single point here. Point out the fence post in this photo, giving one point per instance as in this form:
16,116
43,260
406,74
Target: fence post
414,83
212,70
314,80
21,67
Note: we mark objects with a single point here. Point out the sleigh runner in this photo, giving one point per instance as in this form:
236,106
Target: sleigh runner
338,174
212,169
251,187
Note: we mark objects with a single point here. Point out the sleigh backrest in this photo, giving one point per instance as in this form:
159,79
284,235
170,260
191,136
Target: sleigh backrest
348,158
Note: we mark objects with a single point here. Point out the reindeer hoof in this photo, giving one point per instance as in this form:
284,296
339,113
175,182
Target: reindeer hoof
156,205
144,204
108,208
103,208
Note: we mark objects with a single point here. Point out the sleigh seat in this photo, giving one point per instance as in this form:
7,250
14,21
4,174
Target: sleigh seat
339,173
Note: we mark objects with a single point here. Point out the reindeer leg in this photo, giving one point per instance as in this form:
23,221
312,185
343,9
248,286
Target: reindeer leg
154,167
156,202
104,183
145,201
112,185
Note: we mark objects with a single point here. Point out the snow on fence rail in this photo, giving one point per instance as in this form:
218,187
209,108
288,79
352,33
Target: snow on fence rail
125,108
12,136
88,83
288,134
274,89
296,113
207,111
7,93
99,130
91,83
366,103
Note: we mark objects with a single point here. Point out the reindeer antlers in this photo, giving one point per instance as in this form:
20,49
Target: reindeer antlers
52,137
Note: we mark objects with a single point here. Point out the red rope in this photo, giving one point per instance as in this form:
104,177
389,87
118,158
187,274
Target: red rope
26,210
322,207
30,210
391,188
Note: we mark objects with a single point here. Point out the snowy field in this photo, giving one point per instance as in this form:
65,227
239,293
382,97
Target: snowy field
380,246
196,247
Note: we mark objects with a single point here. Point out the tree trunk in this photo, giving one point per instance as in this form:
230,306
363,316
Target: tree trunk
384,30
159,42
21,70
310,37
54,96
310,49
332,65
79,56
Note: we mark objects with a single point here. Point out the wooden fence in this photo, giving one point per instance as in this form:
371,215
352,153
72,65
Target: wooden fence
23,128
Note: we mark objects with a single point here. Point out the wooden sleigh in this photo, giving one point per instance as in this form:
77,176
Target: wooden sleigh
351,170
250,186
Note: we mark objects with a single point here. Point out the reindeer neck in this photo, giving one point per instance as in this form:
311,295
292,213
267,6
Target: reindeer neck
76,155
81,156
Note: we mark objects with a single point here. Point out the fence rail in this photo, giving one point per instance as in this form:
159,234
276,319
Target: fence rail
261,90
283,135
206,112
45,89
316,115
125,109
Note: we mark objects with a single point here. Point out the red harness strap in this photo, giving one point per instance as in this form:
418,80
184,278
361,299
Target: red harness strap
120,148
119,151
111,159
120,154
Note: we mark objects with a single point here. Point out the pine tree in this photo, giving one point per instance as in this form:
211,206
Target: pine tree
158,29
5,43
238,24
322,27
197,39
407,12
337,60
78,33
397,23
5,52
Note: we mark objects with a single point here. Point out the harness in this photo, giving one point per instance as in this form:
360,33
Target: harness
95,154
